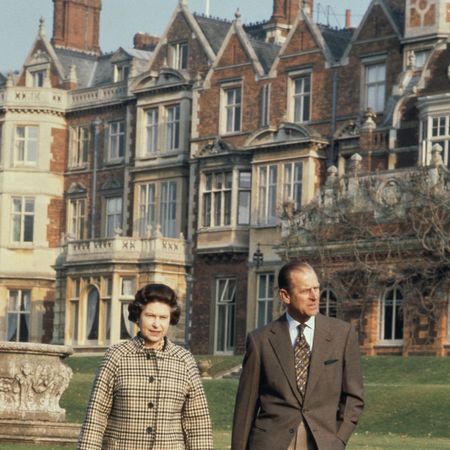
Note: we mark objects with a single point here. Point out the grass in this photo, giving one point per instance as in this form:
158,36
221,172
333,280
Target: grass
407,402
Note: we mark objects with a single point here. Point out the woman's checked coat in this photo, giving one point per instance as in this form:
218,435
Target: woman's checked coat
147,399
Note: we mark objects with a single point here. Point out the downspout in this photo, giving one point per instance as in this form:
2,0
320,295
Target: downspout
96,124
331,155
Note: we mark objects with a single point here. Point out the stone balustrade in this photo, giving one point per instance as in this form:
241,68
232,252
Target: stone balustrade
94,96
129,249
36,98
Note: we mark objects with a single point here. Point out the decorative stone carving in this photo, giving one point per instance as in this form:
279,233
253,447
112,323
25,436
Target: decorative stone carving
390,193
217,146
32,380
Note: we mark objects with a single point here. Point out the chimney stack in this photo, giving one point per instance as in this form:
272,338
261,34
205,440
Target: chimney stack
348,18
76,25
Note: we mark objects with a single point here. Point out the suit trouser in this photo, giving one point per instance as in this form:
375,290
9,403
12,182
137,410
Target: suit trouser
303,439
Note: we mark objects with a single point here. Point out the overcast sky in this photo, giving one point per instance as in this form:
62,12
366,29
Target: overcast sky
121,19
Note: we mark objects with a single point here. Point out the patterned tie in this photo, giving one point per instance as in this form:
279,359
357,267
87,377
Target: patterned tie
302,356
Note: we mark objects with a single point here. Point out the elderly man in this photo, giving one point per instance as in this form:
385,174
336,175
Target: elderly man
301,384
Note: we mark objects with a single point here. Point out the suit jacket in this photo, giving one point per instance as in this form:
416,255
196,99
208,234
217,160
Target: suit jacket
269,406
145,399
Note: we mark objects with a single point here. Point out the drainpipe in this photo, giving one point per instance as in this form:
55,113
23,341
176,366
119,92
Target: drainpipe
96,124
331,155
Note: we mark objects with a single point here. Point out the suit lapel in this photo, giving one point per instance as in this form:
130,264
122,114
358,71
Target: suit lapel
321,348
280,340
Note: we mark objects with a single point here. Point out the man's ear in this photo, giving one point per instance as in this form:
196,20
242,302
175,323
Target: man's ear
285,297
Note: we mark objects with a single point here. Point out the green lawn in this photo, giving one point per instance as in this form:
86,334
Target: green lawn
407,402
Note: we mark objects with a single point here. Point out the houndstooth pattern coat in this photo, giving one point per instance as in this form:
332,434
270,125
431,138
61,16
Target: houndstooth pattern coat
147,399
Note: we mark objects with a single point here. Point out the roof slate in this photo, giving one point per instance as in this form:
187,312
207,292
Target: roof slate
265,52
337,40
215,30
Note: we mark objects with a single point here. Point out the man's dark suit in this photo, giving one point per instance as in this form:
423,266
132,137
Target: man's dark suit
269,407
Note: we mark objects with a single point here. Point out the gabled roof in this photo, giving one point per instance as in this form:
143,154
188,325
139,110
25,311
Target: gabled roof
214,30
336,40
394,14
266,52
85,64
397,10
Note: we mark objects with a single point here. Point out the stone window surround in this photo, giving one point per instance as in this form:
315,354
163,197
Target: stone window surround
30,155
156,205
159,130
25,227
80,136
396,301
235,189
225,304
116,142
236,109
178,54
366,62
265,301
293,76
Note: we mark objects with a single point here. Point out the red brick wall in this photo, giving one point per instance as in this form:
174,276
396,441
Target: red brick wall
206,271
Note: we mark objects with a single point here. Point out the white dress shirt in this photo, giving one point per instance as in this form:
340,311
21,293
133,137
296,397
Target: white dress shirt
308,330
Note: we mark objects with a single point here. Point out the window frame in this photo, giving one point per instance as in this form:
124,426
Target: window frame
158,205
267,194
26,161
367,85
396,304
293,188
116,215
19,312
23,223
442,137
301,101
231,111
79,146
116,140
179,55
217,212
267,301
76,223
229,306
328,302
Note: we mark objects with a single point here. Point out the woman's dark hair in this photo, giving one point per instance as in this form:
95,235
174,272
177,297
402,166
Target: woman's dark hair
154,293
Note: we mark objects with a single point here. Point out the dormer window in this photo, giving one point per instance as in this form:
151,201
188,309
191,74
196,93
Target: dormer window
178,55
121,72
37,70
38,78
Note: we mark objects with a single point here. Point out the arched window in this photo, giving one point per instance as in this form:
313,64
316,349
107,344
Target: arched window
92,315
328,303
391,323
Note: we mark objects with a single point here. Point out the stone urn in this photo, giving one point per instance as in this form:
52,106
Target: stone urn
32,380
203,366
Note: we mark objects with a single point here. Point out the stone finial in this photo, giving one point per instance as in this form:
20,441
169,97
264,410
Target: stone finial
237,15
72,77
10,80
183,2
436,155
356,159
41,27
369,123
331,174
411,58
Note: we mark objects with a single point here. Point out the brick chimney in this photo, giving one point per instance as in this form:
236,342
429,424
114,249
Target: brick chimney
145,41
76,25
285,12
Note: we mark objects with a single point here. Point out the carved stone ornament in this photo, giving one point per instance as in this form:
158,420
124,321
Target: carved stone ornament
32,380
216,147
390,193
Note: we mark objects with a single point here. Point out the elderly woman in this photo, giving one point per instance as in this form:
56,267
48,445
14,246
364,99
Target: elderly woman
148,393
